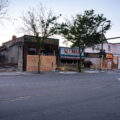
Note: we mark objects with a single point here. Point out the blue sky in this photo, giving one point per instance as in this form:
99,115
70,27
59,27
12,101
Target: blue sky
68,8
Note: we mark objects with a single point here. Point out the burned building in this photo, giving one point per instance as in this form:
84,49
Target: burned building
15,51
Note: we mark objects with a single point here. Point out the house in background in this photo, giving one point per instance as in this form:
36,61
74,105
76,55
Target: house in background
111,59
15,51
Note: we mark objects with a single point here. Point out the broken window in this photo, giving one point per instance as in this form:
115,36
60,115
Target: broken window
32,51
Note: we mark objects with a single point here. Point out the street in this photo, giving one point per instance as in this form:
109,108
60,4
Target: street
55,96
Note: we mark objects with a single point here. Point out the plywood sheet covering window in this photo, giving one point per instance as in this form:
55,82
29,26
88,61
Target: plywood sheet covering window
48,63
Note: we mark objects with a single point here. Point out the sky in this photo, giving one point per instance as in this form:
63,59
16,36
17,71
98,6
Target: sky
68,8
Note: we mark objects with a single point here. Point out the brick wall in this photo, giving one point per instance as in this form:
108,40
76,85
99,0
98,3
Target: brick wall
48,63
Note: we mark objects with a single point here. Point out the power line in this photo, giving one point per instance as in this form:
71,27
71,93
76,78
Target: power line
113,38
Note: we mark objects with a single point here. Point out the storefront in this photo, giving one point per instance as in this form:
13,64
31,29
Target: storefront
69,55
108,62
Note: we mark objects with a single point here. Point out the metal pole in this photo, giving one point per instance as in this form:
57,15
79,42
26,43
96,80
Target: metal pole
101,60
102,48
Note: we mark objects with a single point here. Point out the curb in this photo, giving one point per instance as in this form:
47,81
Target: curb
14,73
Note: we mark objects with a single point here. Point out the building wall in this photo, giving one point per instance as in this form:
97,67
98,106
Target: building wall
12,55
20,59
50,50
118,61
116,52
17,49
114,49
115,62
96,48
95,62
48,63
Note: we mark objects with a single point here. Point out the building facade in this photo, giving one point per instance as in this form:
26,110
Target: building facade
69,55
16,50
111,59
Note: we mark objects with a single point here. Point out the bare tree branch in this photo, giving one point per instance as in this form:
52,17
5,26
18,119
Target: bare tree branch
3,8
41,23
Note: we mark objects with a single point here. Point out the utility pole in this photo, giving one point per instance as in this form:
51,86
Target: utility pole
102,50
101,60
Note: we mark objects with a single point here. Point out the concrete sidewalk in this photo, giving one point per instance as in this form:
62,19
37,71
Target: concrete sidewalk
16,73
91,71
61,72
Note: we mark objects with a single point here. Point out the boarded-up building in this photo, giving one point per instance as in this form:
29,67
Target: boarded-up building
16,50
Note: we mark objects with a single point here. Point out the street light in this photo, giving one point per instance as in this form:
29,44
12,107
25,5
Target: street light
101,62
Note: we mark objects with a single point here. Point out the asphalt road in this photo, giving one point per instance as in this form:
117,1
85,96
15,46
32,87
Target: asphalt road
54,96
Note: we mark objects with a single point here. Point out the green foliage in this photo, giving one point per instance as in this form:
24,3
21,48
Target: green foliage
86,29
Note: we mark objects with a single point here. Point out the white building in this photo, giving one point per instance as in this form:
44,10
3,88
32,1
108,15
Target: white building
110,48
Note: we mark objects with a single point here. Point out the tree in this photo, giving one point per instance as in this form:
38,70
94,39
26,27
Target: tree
85,30
3,8
41,23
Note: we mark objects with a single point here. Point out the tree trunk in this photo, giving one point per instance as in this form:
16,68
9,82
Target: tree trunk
39,62
38,39
80,61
